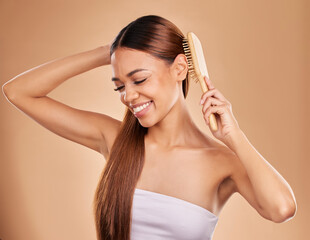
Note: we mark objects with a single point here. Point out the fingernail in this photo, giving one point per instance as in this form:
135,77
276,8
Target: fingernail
201,101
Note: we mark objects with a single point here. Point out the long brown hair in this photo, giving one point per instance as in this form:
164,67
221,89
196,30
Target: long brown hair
114,193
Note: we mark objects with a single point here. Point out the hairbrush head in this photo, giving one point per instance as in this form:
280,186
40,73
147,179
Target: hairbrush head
197,67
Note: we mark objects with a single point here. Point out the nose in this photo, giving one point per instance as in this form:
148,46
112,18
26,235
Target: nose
130,94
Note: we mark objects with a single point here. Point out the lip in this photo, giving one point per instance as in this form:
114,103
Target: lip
139,104
143,111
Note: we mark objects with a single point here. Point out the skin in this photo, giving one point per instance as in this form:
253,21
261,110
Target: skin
186,162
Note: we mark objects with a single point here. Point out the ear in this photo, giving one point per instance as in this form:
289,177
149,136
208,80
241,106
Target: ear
180,67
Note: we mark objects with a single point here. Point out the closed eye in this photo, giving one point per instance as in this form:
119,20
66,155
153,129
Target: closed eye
136,82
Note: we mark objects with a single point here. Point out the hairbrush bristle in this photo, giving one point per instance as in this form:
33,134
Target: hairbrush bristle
187,52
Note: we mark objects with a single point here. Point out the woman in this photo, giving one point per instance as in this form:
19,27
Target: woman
164,178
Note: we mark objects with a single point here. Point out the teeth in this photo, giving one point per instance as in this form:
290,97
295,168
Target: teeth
138,109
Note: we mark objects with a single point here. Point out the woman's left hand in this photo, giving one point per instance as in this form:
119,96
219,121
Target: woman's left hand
214,102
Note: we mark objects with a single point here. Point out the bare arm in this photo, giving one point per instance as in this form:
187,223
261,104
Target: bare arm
263,187
27,91
40,80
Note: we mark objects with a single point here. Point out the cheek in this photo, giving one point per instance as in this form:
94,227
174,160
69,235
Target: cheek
163,90
166,96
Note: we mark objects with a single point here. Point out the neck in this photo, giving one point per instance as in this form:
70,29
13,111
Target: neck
176,129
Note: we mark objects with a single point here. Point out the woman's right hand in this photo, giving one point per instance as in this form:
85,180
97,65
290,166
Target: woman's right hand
107,50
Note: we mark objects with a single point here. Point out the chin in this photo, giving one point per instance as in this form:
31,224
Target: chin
146,124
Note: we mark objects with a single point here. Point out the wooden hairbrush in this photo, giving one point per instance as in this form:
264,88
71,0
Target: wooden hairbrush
197,67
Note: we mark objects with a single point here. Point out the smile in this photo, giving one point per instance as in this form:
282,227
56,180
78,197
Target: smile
141,110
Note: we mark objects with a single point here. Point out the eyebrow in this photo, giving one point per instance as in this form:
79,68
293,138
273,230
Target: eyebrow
130,73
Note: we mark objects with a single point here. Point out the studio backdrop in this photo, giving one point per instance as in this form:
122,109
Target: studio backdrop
256,53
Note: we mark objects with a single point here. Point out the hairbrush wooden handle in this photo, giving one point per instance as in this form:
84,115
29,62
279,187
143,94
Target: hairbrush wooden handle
204,88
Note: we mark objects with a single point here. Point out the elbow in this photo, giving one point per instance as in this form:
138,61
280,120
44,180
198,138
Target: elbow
285,213
8,92
6,89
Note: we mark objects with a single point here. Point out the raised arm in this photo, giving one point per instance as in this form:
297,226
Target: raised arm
27,91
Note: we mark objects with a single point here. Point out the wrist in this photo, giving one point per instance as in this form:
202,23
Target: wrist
235,139
104,53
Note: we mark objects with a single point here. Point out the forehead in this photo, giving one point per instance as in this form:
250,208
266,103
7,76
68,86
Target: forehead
124,60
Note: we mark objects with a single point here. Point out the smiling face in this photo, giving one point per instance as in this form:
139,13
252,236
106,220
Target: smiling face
148,86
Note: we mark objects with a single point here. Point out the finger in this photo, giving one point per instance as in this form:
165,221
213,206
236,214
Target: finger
211,101
220,109
209,83
207,114
214,93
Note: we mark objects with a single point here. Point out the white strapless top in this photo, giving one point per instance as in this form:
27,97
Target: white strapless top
156,216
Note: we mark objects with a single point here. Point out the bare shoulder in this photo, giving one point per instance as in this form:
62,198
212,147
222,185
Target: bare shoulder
223,159
218,164
228,160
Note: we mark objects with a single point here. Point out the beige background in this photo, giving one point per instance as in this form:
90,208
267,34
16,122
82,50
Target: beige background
257,57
